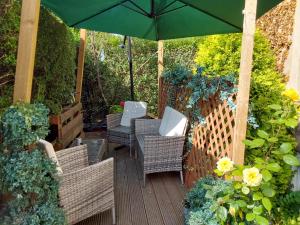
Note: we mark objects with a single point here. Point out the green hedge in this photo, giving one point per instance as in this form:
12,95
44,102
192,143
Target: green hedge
55,65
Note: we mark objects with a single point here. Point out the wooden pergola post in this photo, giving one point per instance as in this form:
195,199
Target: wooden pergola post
80,66
160,67
244,81
26,50
292,64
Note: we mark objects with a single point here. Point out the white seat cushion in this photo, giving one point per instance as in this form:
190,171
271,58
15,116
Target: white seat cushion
173,123
133,110
48,147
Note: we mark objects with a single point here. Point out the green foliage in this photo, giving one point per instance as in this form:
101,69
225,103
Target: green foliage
26,172
107,69
55,64
115,109
290,207
23,124
275,143
198,206
54,78
9,31
221,54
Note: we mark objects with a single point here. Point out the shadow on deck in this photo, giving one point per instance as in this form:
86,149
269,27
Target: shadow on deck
160,202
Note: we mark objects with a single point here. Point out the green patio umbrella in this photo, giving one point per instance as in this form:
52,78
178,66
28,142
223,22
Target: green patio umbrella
156,19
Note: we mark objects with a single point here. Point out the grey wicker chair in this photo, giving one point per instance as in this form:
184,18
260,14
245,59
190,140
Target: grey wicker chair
157,152
124,135
84,190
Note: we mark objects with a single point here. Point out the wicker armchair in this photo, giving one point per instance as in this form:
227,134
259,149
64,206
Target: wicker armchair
118,131
84,190
156,152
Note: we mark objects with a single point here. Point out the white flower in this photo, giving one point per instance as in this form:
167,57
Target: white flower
252,177
225,165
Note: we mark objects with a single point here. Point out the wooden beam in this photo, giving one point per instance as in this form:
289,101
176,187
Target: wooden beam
80,66
26,50
160,67
292,65
241,116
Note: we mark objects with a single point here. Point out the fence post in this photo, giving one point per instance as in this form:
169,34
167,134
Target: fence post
26,50
160,65
80,66
244,81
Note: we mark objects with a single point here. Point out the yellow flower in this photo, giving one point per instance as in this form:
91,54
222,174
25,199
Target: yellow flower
232,211
252,177
225,165
292,94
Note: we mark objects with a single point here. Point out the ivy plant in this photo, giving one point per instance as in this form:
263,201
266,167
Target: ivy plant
27,174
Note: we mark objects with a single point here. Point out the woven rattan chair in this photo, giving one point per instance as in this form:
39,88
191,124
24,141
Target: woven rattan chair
84,190
120,126
160,142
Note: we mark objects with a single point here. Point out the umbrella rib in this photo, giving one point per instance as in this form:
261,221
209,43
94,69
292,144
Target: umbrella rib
167,6
208,13
98,13
171,10
127,7
140,8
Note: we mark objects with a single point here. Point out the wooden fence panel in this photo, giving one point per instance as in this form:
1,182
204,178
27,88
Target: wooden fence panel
211,141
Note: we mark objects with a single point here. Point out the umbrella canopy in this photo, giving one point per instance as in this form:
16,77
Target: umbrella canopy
156,19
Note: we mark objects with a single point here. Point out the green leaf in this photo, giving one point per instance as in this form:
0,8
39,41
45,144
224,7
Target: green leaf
257,143
286,147
267,204
291,122
241,203
257,196
237,173
291,160
222,213
273,139
263,134
257,210
250,216
266,175
275,167
262,220
275,107
268,192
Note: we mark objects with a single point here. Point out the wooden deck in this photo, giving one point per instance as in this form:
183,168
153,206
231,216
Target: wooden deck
160,202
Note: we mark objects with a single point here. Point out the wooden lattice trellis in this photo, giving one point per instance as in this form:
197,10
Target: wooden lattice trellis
210,141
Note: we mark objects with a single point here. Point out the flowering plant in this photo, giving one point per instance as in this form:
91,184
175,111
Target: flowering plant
250,198
252,193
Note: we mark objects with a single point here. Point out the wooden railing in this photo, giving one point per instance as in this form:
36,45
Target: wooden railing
210,141
69,125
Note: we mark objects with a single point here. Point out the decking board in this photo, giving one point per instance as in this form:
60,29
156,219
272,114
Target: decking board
158,203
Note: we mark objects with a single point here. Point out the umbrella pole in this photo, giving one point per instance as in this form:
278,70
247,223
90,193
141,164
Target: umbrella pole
130,69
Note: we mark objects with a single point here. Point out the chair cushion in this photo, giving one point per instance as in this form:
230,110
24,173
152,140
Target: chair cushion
48,148
141,141
133,110
173,123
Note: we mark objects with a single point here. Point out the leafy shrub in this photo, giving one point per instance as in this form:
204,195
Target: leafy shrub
26,172
221,54
55,63
290,207
115,109
198,206
251,197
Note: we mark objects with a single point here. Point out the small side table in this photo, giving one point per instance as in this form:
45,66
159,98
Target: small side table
96,148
